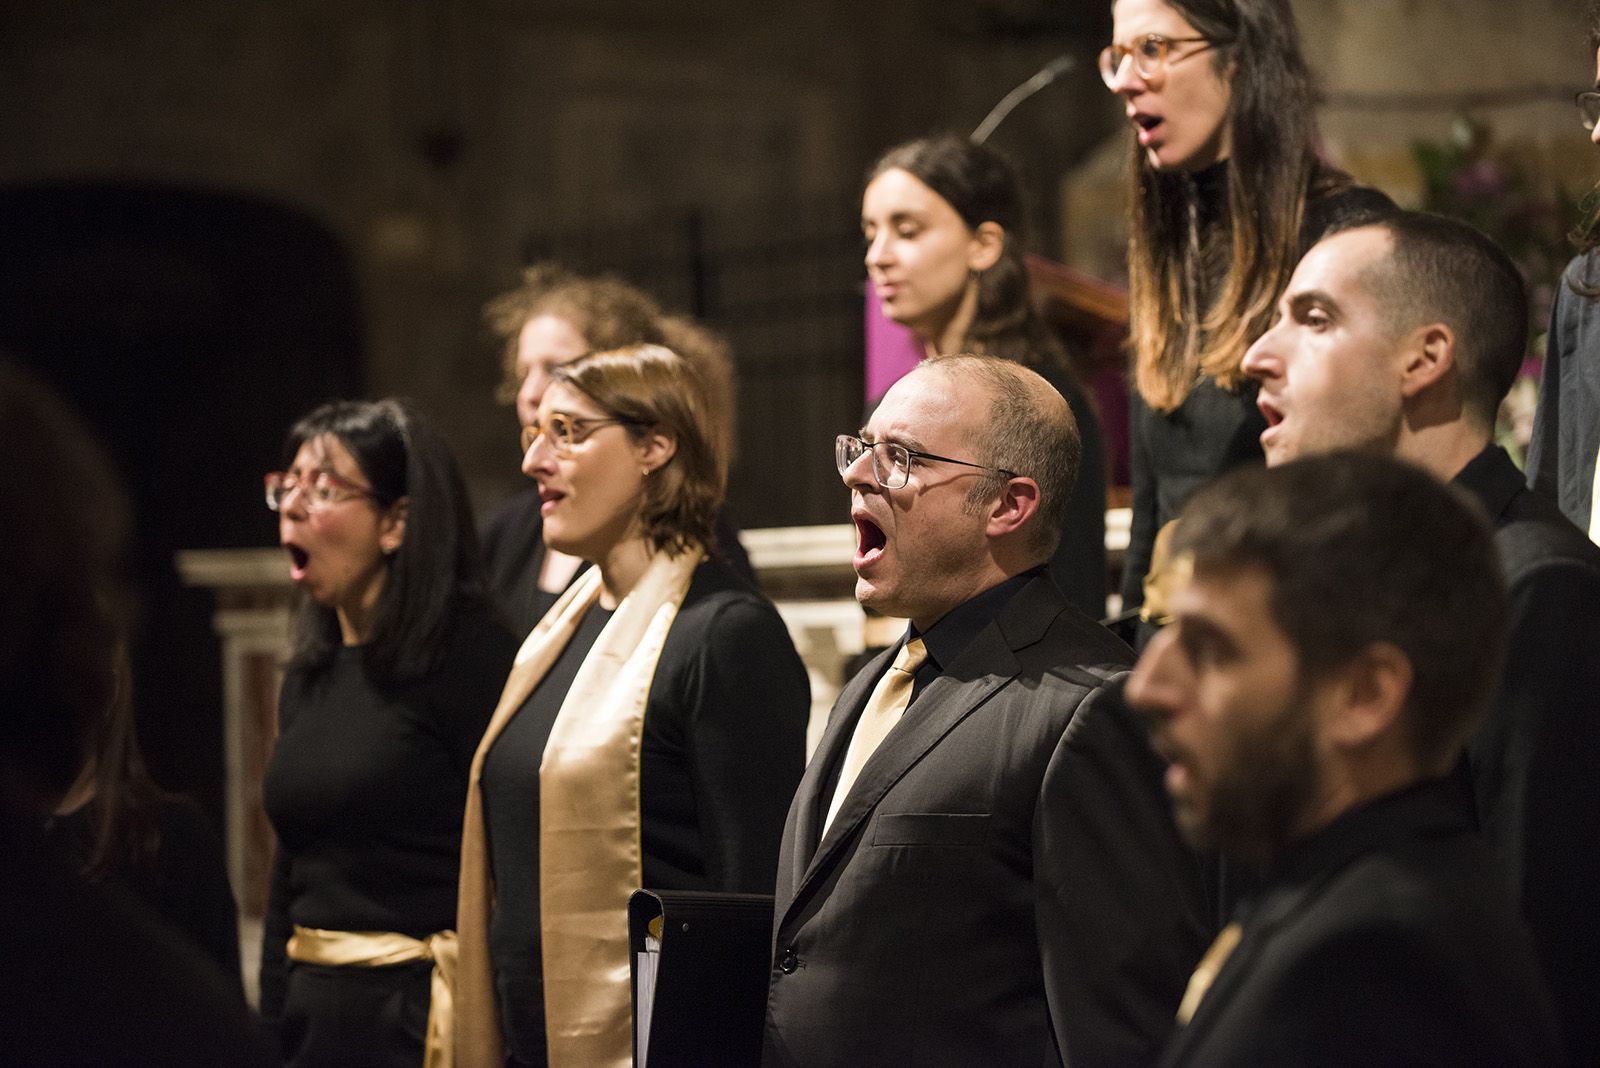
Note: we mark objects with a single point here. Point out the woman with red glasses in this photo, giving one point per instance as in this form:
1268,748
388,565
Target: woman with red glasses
1227,193
396,666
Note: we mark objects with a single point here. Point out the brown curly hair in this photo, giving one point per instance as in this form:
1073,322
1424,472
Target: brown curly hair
608,312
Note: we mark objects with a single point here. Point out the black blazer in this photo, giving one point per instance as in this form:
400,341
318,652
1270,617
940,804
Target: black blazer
1386,939
1003,882
1535,761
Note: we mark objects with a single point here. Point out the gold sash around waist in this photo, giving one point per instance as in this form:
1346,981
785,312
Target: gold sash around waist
378,949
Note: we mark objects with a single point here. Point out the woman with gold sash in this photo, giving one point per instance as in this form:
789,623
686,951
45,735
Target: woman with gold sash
396,666
652,730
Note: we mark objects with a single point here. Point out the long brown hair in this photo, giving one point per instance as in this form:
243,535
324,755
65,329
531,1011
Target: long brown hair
1271,128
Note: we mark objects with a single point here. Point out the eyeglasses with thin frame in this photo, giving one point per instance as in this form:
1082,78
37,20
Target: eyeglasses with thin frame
1149,54
565,432
891,461
319,490
1588,108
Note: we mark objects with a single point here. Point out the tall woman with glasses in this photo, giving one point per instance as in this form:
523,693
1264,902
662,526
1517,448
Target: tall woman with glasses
944,222
1227,193
1566,427
652,731
396,666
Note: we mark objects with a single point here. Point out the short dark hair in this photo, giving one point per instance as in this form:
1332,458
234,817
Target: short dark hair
1360,549
64,522
653,386
436,567
1029,435
1441,269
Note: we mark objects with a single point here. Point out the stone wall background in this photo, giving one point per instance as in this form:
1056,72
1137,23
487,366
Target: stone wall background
712,151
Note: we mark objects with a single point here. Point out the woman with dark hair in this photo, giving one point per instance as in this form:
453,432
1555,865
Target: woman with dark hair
1566,426
946,240
554,315
121,829
651,733
396,666
1227,194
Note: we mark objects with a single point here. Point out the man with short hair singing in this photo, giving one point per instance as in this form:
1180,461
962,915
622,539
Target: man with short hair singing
978,866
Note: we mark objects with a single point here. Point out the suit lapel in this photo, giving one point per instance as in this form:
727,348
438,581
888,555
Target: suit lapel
981,669
808,808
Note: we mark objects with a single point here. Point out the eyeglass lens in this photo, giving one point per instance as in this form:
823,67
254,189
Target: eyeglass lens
1149,55
317,489
558,428
891,463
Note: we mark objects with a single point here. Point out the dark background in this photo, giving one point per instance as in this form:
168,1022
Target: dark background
218,213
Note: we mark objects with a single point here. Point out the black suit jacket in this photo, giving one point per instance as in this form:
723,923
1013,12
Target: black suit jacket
1535,762
1003,881
1387,938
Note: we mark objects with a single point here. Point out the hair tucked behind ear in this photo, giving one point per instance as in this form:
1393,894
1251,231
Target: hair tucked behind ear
689,400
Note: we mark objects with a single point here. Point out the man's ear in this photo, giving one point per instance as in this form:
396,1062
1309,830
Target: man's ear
988,241
1429,355
392,526
1372,690
656,448
1014,507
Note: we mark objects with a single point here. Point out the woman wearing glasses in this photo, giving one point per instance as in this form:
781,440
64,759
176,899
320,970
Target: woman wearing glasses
1227,194
652,731
1566,427
397,663
550,317
944,224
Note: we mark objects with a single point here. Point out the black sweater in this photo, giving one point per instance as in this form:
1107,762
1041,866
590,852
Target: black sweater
366,790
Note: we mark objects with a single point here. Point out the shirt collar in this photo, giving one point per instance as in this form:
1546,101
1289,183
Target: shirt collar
955,629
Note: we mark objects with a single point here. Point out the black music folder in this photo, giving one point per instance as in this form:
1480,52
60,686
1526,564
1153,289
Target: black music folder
700,966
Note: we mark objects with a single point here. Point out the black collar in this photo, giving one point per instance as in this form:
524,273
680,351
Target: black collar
955,629
1492,478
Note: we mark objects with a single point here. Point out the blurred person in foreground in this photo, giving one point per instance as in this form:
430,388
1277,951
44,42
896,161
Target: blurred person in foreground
1335,637
90,977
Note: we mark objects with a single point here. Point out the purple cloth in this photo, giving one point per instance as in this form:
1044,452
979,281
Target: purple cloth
892,350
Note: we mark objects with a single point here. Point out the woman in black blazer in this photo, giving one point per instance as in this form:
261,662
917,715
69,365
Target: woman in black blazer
652,731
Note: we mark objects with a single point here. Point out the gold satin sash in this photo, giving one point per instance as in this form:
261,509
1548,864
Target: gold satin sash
377,949
1167,575
590,860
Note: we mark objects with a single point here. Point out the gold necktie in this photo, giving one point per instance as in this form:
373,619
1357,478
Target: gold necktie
1210,965
884,709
